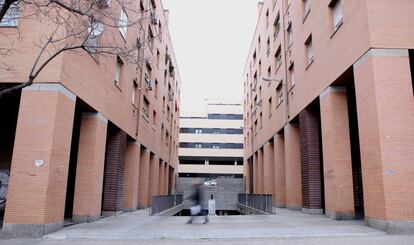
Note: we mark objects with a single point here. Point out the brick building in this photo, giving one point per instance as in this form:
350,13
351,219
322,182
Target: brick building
329,109
93,135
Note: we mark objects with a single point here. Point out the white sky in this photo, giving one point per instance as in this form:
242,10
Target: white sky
211,40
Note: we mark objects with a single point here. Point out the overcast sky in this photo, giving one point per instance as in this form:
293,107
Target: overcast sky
211,40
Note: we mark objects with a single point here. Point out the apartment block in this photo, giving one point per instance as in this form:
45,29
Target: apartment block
211,141
94,135
328,109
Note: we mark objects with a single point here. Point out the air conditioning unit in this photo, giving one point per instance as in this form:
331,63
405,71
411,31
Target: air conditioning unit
104,3
149,84
170,96
259,103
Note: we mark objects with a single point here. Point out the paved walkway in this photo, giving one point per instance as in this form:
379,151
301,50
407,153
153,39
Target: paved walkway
287,227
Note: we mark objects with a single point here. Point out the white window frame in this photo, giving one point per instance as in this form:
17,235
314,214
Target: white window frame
123,23
337,16
307,4
309,50
11,18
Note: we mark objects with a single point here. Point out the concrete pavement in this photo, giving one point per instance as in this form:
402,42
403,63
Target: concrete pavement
286,227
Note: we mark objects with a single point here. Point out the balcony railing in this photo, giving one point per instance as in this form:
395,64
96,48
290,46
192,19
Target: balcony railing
262,202
162,203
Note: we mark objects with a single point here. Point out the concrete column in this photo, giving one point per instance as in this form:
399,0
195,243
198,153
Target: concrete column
90,168
293,171
153,182
279,171
162,178
268,166
143,178
384,96
337,159
261,171
131,181
39,169
255,174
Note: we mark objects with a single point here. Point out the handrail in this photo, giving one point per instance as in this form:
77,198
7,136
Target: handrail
162,203
261,202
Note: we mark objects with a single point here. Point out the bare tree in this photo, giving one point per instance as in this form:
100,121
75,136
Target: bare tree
93,26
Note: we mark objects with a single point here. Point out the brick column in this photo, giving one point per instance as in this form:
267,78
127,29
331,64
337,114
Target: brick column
255,174
90,168
161,178
143,178
279,171
113,188
268,166
337,159
154,178
310,161
131,179
293,172
384,96
247,177
260,170
166,178
39,169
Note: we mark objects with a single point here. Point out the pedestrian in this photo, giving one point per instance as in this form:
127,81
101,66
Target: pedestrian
196,208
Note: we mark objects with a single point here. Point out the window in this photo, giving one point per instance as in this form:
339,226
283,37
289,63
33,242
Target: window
118,70
268,46
216,146
198,131
292,76
276,26
309,49
259,44
123,23
216,131
163,103
270,106
260,68
289,35
154,118
145,109
267,18
306,5
269,72
11,18
254,57
336,8
156,88
158,58
198,145
279,94
94,32
150,38
278,58
134,92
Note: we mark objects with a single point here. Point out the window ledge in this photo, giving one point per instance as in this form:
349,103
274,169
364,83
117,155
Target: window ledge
117,86
145,118
306,16
278,105
309,64
337,28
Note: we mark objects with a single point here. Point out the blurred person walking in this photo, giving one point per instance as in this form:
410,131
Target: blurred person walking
196,209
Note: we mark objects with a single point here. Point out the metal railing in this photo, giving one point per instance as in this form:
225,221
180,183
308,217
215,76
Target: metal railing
162,203
261,202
